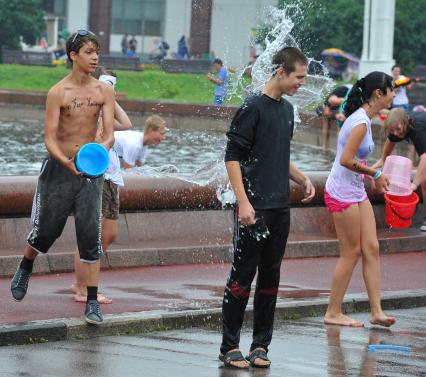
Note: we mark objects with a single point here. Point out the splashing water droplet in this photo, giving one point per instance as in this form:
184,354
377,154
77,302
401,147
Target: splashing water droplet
280,24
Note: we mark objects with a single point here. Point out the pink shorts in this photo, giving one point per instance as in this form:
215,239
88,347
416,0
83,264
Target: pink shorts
334,205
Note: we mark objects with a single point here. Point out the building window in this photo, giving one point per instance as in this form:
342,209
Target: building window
138,17
56,8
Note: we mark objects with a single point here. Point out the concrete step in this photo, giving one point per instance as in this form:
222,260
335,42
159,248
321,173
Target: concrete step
212,250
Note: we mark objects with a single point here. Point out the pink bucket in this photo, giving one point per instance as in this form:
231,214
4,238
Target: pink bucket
398,170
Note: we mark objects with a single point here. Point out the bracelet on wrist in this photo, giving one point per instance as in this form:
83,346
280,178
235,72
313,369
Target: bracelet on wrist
377,174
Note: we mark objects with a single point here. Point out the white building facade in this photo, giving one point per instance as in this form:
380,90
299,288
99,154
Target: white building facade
232,22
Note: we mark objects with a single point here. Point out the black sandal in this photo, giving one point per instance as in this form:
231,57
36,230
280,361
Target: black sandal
258,353
232,356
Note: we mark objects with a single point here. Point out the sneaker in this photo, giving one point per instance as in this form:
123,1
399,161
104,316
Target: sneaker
19,284
423,227
93,313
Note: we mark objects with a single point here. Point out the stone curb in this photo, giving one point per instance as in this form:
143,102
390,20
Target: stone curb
127,258
140,322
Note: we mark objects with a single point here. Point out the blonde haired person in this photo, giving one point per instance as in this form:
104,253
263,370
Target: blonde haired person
132,146
411,127
154,123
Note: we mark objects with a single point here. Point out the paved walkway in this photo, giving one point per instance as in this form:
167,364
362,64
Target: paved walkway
302,348
184,287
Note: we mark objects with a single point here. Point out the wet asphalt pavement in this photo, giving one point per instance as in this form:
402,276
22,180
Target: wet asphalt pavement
299,348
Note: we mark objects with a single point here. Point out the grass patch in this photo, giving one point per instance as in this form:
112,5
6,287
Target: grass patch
150,84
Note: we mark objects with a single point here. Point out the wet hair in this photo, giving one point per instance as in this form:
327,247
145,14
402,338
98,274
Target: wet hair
218,61
363,90
76,42
397,116
155,123
287,58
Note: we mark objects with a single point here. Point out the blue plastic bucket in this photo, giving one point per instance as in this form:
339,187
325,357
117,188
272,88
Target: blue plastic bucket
92,159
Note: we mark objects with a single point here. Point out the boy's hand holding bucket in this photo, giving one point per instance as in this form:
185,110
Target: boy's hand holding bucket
92,160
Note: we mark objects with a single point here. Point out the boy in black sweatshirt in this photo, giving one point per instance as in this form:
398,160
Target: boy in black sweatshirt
258,163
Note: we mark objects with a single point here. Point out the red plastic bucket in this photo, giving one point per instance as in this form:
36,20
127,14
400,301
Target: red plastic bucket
400,209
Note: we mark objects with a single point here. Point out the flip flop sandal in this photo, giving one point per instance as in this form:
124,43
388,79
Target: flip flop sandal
232,356
258,354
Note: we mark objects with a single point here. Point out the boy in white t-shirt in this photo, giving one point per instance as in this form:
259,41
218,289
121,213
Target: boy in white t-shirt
131,146
129,150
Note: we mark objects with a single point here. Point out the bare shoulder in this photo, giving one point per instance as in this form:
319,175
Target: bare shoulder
58,89
105,88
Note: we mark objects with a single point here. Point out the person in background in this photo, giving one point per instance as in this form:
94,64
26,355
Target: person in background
43,41
110,192
330,112
133,43
400,126
182,50
220,80
401,99
132,146
159,52
60,52
124,44
347,201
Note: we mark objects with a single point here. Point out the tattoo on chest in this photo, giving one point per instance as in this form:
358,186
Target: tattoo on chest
76,104
92,103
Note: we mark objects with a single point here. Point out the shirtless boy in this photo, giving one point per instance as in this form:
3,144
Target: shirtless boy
72,110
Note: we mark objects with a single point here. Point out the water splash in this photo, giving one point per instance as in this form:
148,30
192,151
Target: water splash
280,24
225,194
206,146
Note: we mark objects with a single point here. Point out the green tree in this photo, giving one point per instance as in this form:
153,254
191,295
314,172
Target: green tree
323,24
20,17
409,39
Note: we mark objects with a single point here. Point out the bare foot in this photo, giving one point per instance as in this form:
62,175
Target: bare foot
102,299
382,320
74,288
342,320
78,289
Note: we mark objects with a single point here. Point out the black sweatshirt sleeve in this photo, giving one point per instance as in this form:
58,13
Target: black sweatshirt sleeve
241,133
394,139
